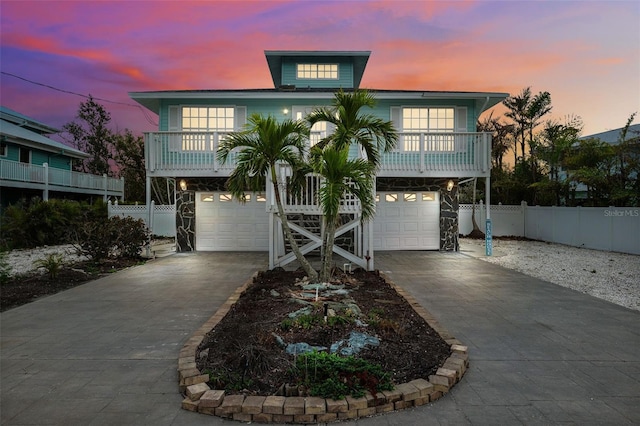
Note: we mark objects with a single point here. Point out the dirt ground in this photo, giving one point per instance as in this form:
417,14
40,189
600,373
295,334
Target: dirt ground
22,289
243,355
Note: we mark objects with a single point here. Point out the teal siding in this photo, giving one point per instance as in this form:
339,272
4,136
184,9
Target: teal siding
276,107
59,162
39,157
13,152
345,73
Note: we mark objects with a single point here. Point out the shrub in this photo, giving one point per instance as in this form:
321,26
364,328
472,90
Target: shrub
112,238
332,376
34,223
130,235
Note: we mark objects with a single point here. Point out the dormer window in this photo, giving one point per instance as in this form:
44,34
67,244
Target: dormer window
317,71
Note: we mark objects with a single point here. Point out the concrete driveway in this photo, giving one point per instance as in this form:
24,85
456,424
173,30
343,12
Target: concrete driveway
106,353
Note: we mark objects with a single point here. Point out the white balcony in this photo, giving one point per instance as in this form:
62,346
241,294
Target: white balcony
451,155
31,176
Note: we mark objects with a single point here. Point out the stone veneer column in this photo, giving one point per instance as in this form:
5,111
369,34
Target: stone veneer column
449,217
185,221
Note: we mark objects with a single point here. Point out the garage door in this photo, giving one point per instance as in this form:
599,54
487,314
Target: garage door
407,221
223,224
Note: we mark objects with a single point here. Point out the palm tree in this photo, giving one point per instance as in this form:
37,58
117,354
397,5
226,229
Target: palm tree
517,106
539,107
351,125
263,145
341,176
526,112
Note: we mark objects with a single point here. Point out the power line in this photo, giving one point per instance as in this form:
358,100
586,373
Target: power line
144,112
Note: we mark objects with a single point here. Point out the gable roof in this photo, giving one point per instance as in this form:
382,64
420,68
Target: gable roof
22,120
22,130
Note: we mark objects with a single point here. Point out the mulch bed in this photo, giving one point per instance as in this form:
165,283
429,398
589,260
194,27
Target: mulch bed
23,289
243,355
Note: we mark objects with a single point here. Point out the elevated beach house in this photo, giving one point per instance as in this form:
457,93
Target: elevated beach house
417,184
34,165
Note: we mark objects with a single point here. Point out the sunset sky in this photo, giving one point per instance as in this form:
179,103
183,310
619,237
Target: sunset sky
585,53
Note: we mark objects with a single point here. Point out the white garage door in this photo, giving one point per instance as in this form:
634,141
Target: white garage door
223,224
407,221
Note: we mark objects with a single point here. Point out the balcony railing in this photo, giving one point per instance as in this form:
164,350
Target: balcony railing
51,178
307,201
452,154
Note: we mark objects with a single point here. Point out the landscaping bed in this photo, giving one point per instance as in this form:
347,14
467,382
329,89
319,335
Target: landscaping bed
25,288
236,365
244,353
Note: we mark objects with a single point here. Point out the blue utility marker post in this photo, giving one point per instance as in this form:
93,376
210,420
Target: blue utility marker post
488,242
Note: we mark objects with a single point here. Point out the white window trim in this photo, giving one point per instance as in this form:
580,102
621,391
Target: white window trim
174,124
396,116
337,65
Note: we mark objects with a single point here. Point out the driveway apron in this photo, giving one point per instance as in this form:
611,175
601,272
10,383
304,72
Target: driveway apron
540,354
106,353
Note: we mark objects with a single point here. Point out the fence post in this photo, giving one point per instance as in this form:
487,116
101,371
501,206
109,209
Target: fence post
523,212
105,184
45,193
151,212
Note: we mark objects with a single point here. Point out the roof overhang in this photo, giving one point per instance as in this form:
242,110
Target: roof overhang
22,136
153,100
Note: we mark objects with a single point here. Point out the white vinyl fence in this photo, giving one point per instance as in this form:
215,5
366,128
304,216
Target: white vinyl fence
601,228
161,219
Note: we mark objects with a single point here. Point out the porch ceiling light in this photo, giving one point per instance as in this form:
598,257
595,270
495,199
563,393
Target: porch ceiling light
183,185
450,185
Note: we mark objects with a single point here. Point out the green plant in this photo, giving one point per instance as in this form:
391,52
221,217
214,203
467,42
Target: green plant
115,237
332,376
374,316
130,235
33,223
338,320
286,324
227,380
307,321
53,263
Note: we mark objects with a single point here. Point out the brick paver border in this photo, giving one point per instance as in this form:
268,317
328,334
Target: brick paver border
293,409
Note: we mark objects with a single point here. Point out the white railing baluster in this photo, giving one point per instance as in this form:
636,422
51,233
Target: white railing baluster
418,153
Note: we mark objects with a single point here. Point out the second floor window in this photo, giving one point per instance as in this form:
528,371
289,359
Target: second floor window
205,119
428,120
317,71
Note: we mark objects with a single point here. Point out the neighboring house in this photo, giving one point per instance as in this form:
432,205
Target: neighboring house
417,191
612,137
31,164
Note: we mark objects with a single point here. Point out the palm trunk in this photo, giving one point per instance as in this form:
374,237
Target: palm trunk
327,250
311,273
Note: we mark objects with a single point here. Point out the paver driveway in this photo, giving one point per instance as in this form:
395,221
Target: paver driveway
105,353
